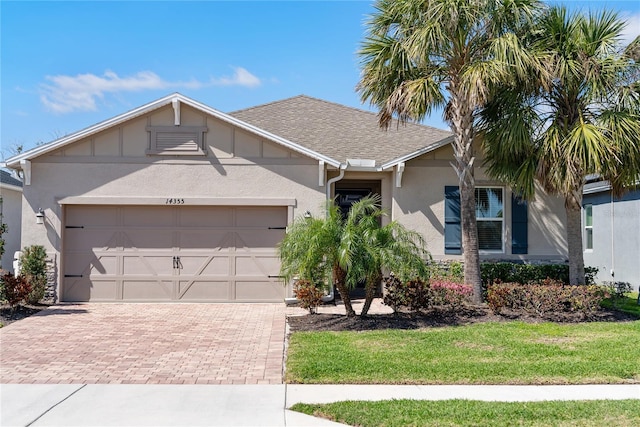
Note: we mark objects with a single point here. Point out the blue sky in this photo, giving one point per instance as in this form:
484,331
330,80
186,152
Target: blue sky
68,65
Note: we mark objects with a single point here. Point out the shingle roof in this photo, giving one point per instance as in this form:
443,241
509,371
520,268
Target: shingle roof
6,178
338,131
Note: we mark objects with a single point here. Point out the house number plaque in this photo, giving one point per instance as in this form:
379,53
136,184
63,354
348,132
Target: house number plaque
174,202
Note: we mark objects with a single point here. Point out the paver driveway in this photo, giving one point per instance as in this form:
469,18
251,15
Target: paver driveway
146,343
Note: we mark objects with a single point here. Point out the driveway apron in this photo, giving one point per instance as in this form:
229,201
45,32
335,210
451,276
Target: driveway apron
146,344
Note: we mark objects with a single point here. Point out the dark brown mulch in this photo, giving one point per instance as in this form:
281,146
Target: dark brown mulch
471,315
9,315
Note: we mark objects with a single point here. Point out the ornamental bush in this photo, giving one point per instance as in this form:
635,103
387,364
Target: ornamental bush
33,267
309,295
450,295
14,289
509,272
417,295
548,297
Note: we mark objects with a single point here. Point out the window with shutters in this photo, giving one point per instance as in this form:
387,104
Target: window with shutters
490,218
177,140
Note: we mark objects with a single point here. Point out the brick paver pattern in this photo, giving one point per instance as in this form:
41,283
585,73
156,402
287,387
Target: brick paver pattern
146,344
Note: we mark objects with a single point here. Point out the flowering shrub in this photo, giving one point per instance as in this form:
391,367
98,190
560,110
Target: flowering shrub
309,295
417,295
450,295
548,297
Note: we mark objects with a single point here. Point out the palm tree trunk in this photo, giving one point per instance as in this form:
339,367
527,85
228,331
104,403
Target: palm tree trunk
370,293
573,208
339,282
470,240
460,117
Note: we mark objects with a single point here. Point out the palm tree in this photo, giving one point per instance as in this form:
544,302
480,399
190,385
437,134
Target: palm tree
375,247
424,54
350,250
576,115
313,249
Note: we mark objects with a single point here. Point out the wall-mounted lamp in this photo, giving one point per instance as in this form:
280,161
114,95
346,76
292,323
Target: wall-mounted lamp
307,214
40,216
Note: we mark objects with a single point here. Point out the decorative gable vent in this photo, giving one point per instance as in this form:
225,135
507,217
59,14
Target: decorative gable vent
177,140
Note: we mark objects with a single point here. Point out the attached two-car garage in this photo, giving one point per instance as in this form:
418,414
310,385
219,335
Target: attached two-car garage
172,253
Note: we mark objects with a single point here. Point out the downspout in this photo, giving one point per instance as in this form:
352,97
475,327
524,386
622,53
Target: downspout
331,296
343,167
613,255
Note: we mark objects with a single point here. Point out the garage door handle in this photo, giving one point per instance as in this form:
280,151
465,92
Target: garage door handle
277,228
272,276
73,275
175,262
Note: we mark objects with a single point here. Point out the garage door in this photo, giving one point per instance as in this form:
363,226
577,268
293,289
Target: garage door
172,253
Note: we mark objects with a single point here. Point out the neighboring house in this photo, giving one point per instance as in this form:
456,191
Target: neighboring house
11,212
611,230
178,201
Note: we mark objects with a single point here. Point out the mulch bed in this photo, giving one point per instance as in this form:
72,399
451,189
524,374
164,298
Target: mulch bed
435,318
9,315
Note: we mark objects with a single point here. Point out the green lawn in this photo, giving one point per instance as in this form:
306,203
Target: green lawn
629,304
489,353
474,413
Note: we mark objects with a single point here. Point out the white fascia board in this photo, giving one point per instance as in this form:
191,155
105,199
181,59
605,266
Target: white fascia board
14,162
10,187
417,153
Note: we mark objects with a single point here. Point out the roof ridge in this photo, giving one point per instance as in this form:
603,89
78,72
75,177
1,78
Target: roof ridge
336,104
277,101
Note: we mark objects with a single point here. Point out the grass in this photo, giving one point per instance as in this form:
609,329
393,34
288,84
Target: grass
628,304
487,353
392,413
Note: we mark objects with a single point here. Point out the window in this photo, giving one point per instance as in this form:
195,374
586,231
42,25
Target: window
588,227
490,218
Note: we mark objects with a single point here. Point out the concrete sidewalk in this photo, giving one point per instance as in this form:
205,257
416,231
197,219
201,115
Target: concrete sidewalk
241,405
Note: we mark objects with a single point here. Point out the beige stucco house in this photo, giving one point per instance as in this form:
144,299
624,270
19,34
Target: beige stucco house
176,201
10,213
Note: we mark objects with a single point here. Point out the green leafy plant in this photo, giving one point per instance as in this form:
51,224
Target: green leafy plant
33,267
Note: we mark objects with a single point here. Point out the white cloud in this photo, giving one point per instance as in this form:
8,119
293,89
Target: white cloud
65,94
241,77
632,30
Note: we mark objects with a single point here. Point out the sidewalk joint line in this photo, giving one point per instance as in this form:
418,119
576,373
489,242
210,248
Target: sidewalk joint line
48,410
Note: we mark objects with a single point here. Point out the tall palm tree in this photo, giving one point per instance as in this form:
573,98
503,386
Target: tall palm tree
424,54
576,115
351,250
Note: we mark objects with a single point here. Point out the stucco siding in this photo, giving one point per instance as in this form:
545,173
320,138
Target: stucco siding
113,165
419,204
616,237
11,215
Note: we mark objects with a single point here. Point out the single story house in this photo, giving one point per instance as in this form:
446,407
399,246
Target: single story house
10,214
177,201
611,230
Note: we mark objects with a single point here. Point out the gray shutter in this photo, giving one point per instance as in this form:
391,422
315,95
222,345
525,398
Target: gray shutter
519,233
452,224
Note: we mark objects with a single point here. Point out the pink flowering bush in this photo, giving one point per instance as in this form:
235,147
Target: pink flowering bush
450,295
